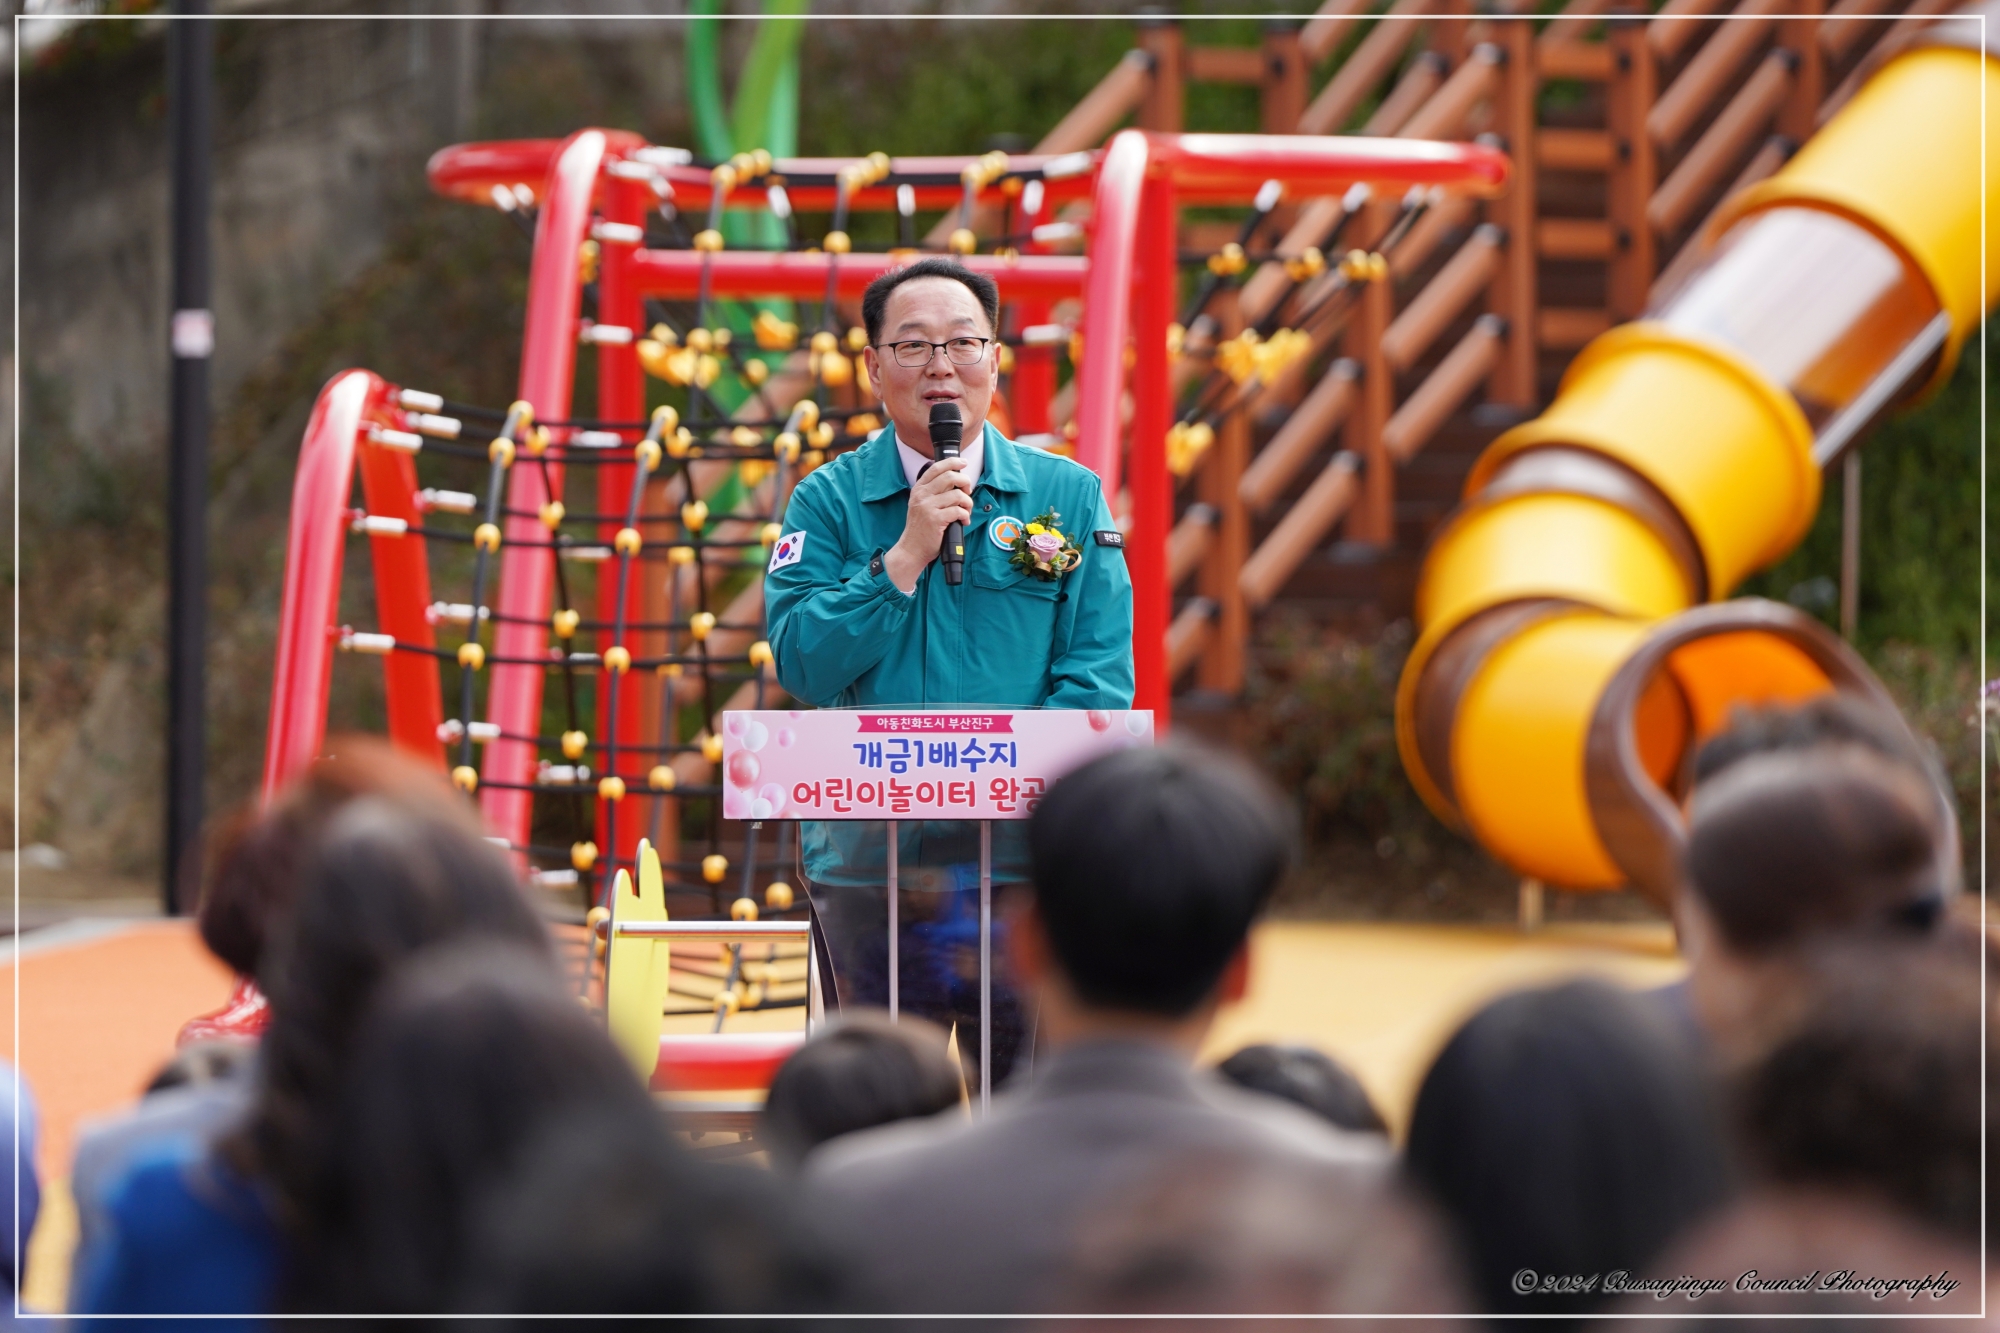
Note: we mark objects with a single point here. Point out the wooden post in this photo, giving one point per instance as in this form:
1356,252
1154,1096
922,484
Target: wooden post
1283,94
1451,32
1166,100
1633,168
1531,904
1800,114
1512,295
1373,520
1850,545
1221,666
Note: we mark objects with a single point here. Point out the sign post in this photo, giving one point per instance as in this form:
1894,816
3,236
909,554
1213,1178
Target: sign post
895,764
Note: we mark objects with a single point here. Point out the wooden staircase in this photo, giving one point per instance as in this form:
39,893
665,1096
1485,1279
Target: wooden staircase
1626,129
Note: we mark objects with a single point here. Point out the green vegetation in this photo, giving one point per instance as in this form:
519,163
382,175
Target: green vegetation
1920,528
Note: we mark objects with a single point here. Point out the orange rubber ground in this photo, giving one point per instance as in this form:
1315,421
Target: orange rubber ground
98,1018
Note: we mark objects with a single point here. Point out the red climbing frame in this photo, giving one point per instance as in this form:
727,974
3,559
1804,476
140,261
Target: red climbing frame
1128,283
352,403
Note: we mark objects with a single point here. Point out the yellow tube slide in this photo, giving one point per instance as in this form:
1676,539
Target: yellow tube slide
1566,667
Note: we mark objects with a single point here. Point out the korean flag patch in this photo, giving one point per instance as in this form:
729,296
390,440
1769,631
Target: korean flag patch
790,548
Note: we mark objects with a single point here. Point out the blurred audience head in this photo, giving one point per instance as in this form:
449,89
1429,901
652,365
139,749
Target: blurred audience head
1839,721
1565,1131
1149,866
1860,1127
1875,1090
1225,1232
1796,844
861,1071
606,1216
1308,1078
467,1054
385,882
260,850
1824,719
1791,848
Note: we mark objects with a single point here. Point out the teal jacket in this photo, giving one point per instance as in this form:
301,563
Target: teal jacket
846,637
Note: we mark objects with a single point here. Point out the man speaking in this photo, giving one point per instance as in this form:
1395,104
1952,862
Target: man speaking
863,613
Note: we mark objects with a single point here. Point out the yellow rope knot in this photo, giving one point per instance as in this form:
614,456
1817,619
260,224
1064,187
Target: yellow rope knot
1186,443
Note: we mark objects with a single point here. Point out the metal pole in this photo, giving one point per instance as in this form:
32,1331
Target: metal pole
1850,544
985,964
815,1006
895,947
191,58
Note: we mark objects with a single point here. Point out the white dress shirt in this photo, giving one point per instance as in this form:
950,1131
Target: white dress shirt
973,450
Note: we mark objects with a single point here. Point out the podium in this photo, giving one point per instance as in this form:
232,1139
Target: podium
897,764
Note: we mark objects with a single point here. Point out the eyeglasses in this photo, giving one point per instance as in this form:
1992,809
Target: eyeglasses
917,354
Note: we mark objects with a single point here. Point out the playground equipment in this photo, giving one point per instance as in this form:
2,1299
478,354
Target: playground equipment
1566,670
689,495
1412,286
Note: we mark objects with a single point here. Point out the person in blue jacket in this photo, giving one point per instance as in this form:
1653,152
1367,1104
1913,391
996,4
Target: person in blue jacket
861,616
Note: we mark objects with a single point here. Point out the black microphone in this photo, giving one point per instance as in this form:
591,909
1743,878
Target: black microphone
947,431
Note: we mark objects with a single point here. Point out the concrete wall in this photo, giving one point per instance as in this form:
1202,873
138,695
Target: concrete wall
322,128
320,122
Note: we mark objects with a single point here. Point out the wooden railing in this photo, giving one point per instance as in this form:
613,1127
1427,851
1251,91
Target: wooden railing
1683,107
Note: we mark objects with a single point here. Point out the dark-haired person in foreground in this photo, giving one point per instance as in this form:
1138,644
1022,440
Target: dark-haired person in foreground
1563,1131
1862,1129
256,860
209,1226
1309,1078
474,1065
1149,867
1794,849
863,1070
862,615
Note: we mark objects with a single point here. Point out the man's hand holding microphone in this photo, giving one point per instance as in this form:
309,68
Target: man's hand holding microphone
940,507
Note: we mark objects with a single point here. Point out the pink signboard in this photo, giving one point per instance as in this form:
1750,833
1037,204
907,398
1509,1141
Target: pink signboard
911,763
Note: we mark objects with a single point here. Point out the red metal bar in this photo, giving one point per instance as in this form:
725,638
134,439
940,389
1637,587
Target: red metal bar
677,273
548,362
621,396
470,171
1154,295
1224,168
308,615
722,1062
402,576
1121,177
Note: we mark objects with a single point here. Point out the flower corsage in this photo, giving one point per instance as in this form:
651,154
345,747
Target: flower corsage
1042,551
